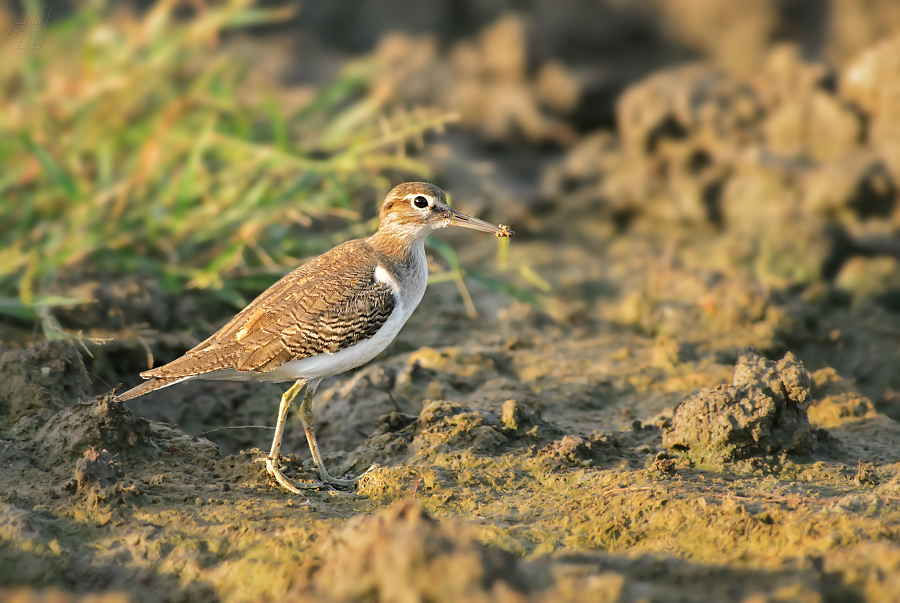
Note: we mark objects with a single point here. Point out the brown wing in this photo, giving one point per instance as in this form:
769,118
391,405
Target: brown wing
324,306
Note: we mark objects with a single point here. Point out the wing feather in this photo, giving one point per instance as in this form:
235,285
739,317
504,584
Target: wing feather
327,305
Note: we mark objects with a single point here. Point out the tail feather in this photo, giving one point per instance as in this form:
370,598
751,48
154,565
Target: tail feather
148,386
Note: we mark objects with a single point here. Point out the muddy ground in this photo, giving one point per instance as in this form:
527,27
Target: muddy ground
703,407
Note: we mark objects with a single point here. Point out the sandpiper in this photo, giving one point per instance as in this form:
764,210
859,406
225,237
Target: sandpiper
330,315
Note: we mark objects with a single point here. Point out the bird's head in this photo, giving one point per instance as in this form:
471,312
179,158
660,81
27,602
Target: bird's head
413,209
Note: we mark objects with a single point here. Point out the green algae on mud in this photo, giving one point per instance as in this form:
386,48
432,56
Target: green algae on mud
538,501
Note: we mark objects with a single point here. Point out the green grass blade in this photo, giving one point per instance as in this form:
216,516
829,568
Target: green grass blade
52,168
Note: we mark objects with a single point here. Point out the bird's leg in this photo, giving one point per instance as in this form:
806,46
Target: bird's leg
272,460
306,415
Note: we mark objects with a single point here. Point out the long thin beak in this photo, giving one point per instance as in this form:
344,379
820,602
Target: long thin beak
461,219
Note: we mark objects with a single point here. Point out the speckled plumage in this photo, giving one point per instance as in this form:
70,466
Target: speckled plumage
324,306
332,314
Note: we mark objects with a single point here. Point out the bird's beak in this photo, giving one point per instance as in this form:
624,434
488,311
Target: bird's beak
460,219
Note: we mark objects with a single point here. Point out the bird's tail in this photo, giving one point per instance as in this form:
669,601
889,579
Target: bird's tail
148,386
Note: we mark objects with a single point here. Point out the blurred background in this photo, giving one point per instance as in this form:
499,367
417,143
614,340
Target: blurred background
705,174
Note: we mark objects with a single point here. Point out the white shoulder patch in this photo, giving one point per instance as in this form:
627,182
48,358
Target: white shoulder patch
383,276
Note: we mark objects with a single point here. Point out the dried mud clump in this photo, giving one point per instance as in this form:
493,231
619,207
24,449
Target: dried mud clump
518,420
45,377
796,169
487,80
577,451
96,480
47,409
443,426
95,470
763,412
105,424
402,554
870,83
448,427
571,450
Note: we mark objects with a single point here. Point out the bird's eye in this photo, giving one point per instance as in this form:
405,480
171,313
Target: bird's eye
420,202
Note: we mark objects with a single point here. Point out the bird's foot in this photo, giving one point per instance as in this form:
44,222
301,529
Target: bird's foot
336,481
296,488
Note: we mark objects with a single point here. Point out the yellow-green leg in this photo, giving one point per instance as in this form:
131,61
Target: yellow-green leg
306,415
272,460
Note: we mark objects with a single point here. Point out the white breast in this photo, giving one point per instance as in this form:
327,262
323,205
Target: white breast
324,365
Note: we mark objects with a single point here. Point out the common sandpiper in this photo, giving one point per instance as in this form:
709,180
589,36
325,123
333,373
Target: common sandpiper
330,315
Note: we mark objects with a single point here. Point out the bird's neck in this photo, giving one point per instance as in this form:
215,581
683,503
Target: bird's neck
405,259
402,247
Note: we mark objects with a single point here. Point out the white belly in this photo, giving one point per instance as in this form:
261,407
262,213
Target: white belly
326,365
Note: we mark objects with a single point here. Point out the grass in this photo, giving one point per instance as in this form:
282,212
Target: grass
135,144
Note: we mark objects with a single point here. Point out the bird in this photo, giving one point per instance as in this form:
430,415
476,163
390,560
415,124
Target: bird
332,314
